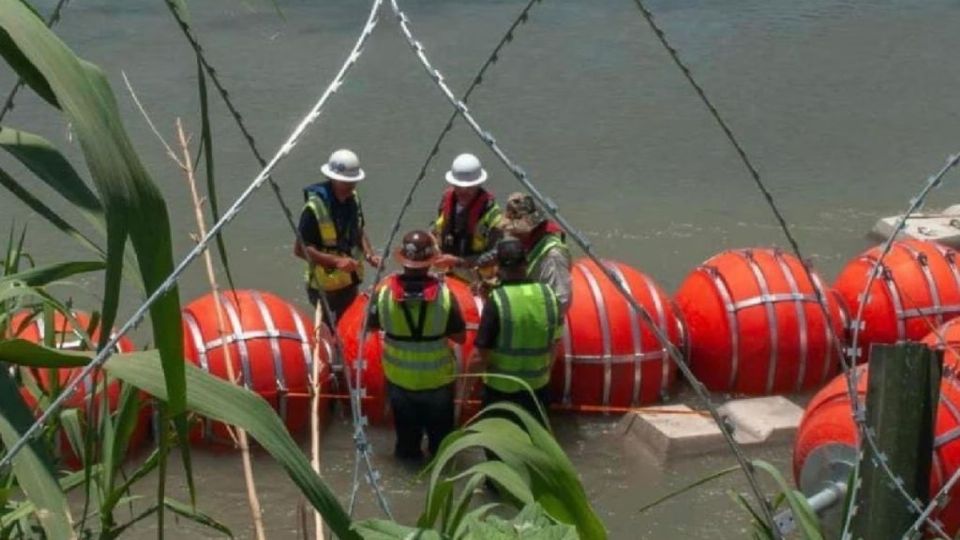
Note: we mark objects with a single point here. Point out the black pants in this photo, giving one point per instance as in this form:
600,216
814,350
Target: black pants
416,412
521,398
338,301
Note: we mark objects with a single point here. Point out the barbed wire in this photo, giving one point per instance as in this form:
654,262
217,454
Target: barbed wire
408,200
916,203
51,21
234,112
859,416
202,244
585,245
363,447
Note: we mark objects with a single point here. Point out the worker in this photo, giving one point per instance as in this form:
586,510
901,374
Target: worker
466,225
518,334
418,314
331,235
548,258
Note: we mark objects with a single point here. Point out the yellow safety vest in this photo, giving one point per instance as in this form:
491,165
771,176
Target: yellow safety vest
416,355
479,225
332,279
529,326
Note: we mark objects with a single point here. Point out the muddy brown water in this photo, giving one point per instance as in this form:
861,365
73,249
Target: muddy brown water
845,106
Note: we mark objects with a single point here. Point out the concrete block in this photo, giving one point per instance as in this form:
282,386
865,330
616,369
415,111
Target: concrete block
770,419
671,431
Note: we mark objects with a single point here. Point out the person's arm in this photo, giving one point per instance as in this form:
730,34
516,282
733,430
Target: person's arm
555,272
369,254
306,246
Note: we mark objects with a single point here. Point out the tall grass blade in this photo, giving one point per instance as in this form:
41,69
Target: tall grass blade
708,478
225,402
38,277
46,212
206,141
32,466
49,165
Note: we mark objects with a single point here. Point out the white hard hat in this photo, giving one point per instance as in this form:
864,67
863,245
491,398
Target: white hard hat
344,166
466,171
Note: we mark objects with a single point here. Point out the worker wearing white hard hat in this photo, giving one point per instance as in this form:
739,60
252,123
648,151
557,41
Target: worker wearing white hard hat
331,234
468,217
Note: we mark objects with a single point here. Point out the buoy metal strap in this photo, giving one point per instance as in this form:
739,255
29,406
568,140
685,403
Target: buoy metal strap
634,336
605,337
801,319
733,326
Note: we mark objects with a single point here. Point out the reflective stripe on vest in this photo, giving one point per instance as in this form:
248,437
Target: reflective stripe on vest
322,278
416,363
529,327
483,217
545,244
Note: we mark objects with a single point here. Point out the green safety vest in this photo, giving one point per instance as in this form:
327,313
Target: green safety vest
321,278
545,244
416,363
529,326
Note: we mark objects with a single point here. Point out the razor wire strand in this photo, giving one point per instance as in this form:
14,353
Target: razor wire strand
932,182
492,58
234,112
51,21
363,446
850,373
285,149
585,245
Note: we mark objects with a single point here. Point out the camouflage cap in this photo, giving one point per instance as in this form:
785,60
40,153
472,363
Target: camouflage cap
521,214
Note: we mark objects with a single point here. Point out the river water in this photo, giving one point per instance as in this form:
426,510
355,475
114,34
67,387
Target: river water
845,107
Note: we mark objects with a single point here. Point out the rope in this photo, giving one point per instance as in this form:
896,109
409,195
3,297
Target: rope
408,200
52,20
551,208
203,243
850,373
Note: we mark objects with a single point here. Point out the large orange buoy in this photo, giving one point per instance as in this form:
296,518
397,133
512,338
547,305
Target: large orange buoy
825,448
374,398
65,336
271,349
610,357
917,291
755,326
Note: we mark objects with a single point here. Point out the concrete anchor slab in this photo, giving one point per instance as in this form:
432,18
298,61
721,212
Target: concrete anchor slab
770,419
676,431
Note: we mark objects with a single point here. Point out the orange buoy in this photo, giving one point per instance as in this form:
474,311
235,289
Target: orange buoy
917,291
271,349
611,358
66,336
374,399
825,448
947,339
755,326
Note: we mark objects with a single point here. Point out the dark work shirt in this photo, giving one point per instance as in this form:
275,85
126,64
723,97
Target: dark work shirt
347,218
489,327
414,284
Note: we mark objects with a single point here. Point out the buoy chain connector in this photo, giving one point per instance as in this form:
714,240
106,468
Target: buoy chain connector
766,510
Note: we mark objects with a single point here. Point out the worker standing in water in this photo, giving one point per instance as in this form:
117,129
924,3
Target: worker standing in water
331,228
466,225
418,314
548,258
520,327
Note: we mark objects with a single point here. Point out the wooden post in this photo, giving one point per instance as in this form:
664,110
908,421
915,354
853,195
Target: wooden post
903,392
